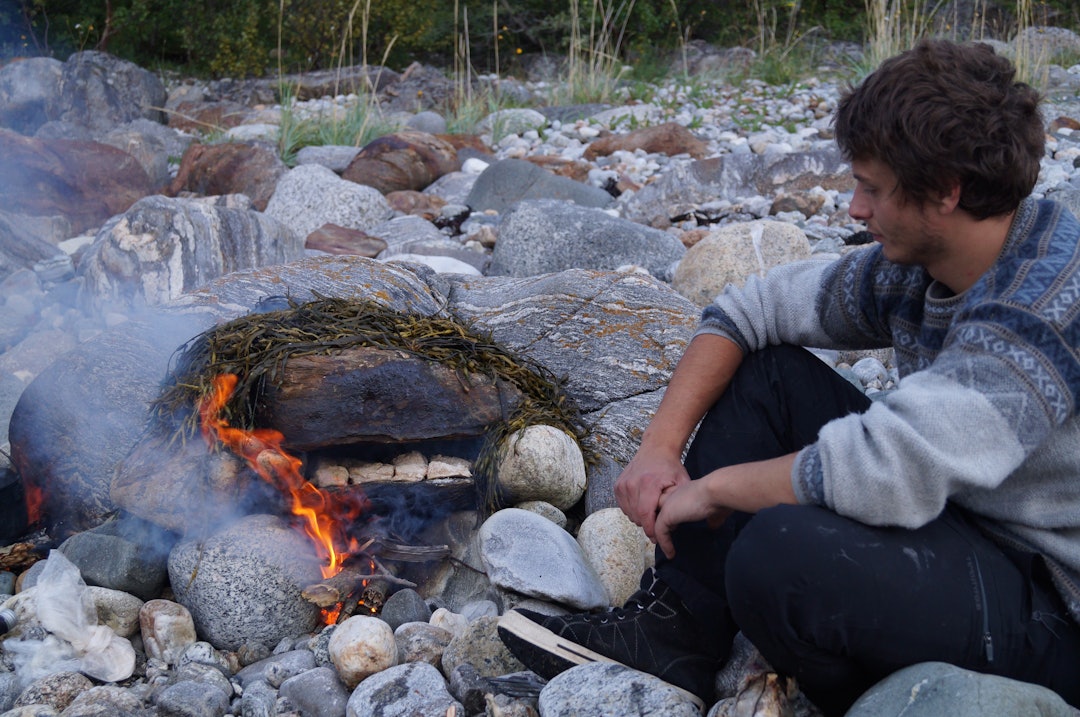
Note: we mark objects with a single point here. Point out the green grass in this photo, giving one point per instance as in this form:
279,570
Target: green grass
353,126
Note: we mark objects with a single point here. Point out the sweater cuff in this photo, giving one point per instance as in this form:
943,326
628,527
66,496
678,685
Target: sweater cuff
808,477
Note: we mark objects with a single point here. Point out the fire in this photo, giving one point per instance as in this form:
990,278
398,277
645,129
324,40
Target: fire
35,502
324,515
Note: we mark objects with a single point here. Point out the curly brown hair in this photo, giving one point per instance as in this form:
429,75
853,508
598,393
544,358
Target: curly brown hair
946,113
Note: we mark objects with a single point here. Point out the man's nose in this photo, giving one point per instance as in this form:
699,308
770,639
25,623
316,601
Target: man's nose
859,209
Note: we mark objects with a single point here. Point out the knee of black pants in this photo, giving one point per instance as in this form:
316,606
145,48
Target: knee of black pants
773,577
765,555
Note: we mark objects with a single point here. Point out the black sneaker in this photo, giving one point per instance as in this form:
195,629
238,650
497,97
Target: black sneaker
653,632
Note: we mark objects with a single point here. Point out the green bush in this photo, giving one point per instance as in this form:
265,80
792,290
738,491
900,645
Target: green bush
241,37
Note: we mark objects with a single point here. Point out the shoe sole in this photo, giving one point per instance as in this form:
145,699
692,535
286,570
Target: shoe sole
562,654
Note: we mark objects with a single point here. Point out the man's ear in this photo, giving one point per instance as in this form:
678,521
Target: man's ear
950,200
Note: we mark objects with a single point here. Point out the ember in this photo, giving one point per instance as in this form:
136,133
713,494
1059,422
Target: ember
325,516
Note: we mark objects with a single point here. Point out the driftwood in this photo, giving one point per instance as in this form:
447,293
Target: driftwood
370,583
19,556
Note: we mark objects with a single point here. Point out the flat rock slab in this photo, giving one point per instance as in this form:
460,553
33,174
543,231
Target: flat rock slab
378,395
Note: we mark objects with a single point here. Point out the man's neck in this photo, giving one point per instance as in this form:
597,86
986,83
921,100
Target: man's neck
974,246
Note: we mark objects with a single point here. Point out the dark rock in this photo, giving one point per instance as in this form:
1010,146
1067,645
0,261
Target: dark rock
127,555
81,415
380,396
509,181
405,606
86,182
403,160
248,168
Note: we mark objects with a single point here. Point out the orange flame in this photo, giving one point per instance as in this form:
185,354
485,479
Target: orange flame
324,515
35,502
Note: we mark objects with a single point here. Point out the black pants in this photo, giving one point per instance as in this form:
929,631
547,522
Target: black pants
838,604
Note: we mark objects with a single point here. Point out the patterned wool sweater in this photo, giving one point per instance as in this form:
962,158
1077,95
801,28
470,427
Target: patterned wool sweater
986,411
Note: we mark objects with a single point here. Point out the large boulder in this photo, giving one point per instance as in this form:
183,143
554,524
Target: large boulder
732,177
546,235
99,91
84,182
249,168
735,252
162,248
403,160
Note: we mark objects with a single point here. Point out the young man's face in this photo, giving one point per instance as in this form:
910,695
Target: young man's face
904,229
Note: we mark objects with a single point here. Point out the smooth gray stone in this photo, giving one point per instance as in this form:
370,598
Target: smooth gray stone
129,555
405,606
192,699
508,181
529,554
316,693
545,235
297,662
613,689
416,688
938,689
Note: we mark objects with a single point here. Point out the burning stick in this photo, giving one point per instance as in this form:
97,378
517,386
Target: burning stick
338,588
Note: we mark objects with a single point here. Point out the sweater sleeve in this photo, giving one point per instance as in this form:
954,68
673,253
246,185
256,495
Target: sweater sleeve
789,305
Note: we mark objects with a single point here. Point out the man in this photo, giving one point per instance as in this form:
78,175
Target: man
848,538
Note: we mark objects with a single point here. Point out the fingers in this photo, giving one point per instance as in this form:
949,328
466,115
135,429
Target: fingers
663,539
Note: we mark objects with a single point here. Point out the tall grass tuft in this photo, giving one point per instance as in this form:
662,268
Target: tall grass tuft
1032,58
593,64
895,26
781,57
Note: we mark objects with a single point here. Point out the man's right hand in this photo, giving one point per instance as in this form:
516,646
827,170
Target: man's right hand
648,476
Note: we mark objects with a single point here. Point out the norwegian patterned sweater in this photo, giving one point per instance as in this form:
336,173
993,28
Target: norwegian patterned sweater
985,414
